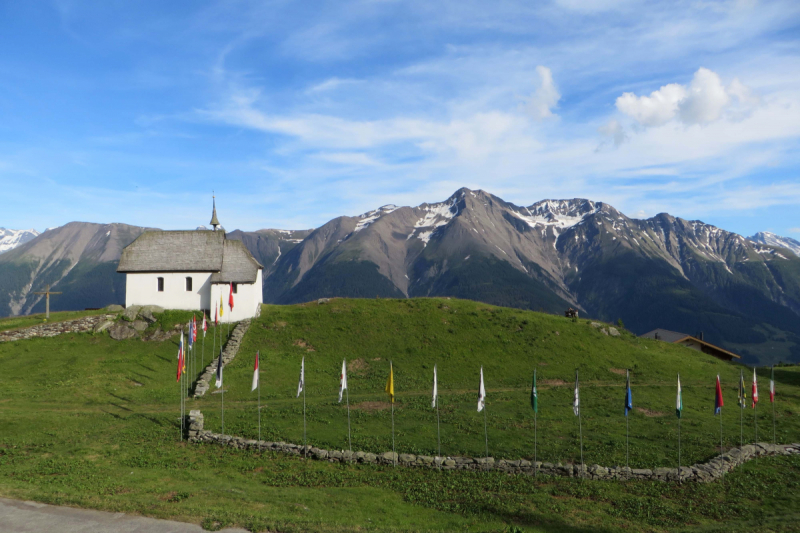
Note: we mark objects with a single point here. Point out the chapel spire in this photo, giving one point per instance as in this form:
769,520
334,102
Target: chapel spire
214,221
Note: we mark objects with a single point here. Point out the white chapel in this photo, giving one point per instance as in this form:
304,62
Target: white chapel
192,270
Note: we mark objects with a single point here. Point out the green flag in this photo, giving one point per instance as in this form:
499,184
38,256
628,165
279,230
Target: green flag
534,394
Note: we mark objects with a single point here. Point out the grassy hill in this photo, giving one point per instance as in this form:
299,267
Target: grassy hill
88,421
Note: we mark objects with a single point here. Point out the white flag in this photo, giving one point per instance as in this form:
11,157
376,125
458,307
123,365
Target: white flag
435,388
481,394
302,384
219,370
576,403
343,379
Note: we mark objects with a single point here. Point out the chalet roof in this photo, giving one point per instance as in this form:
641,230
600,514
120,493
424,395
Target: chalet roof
675,337
190,251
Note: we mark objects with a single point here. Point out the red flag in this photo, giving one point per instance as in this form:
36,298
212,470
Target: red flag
180,358
772,386
718,403
216,314
230,298
755,389
194,329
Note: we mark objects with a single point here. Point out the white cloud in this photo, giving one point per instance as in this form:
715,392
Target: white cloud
654,110
705,100
541,103
793,230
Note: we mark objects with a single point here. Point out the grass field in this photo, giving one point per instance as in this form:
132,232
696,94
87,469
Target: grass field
89,421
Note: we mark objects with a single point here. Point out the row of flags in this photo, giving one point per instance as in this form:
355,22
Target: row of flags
389,389
192,334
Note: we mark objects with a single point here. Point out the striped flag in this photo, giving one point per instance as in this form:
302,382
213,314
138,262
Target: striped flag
230,298
772,386
576,401
679,400
180,358
189,336
301,385
534,394
718,402
628,396
255,375
742,400
755,389
343,380
194,329
435,389
219,369
205,325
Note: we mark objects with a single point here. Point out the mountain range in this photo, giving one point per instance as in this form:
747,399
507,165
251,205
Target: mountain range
661,272
11,238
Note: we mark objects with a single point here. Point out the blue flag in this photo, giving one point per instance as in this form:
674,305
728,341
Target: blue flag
628,397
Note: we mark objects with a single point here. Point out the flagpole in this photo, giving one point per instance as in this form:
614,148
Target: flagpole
535,468
486,435
679,450
580,428
394,453
305,450
772,401
741,412
755,420
259,400
347,399
438,430
627,424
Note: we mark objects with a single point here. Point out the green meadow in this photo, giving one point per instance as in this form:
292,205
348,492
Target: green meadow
92,422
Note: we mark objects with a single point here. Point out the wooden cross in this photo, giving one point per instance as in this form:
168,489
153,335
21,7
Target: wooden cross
47,293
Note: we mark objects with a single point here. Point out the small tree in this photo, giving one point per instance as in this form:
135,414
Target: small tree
620,323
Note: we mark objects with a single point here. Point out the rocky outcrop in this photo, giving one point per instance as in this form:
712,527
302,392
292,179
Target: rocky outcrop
228,353
700,473
79,325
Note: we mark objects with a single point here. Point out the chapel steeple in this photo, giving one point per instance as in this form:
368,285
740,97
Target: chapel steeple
214,221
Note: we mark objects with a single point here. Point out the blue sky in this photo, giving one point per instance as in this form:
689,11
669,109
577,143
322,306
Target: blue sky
297,112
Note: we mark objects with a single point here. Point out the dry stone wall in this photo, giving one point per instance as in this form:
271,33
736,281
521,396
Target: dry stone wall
700,473
52,329
228,353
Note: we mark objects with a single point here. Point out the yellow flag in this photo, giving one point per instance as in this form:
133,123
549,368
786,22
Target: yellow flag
390,384
221,306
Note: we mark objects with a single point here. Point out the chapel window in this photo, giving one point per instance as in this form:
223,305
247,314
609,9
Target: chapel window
188,284
160,284
235,288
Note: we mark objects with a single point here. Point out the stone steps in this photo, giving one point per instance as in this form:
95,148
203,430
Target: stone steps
230,350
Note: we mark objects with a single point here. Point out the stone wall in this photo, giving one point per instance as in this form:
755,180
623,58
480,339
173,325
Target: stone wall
51,329
228,353
701,473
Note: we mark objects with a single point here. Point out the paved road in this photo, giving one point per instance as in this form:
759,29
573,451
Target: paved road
32,517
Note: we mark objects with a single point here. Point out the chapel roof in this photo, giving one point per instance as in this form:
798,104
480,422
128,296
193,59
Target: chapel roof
190,251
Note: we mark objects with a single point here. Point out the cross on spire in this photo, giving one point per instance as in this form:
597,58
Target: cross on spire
214,221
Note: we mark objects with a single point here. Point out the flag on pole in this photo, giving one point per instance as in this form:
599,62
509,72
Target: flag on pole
435,389
481,394
755,389
534,394
390,383
301,385
576,402
343,379
221,306
194,329
216,314
628,396
205,325
679,400
219,370
772,386
742,399
180,358
255,375
230,298
189,336
718,402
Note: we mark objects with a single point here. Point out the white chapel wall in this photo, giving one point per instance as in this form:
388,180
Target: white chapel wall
246,301
142,289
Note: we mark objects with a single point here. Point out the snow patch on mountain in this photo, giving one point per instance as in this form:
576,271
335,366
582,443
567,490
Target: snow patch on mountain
372,216
436,215
561,214
11,238
770,239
